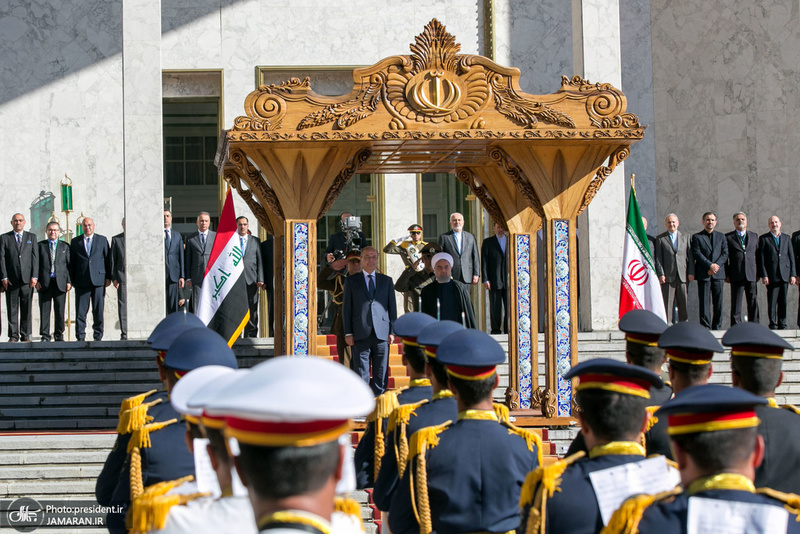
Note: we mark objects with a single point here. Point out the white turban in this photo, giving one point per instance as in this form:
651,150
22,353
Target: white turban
442,256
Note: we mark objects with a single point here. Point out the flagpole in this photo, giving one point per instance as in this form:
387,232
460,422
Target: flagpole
633,182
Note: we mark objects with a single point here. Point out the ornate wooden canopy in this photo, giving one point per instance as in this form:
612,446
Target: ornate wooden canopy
528,158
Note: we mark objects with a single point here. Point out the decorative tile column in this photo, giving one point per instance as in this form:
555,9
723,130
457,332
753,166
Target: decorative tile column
299,318
524,322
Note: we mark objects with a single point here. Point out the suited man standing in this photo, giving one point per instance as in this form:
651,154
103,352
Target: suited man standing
267,261
463,247
173,262
253,272
196,255
90,270
674,267
710,250
776,268
796,248
742,269
495,278
369,312
19,264
118,279
54,282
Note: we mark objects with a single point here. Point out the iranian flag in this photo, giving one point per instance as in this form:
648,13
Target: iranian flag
223,302
640,288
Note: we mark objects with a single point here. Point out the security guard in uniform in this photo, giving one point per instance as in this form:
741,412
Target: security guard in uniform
407,419
756,359
613,397
642,330
287,415
412,281
372,446
713,429
465,476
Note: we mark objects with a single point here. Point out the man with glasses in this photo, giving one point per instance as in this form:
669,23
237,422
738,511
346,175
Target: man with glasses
19,262
409,247
54,282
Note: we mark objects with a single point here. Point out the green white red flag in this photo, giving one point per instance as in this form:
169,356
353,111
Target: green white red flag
223,302
640,287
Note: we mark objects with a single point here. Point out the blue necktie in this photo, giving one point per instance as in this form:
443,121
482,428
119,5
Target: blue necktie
371,288
88,246
241,243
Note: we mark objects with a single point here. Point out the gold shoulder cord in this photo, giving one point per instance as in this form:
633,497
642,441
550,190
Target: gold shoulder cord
421,441
627,517
544,481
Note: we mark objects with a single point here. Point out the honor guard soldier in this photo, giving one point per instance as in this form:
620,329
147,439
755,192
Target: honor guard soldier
465,476
409,247
154,449
642,330
756,359
287,415
408,418
713,429
370,451
613,397
162,507
413,281
690,348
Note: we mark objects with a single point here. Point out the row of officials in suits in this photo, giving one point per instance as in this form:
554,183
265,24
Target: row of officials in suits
740,257
90,264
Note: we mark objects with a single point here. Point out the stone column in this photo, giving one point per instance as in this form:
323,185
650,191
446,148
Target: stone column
596,38
399,212
143,173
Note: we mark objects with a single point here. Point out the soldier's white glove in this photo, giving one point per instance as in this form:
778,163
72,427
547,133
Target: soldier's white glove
404,238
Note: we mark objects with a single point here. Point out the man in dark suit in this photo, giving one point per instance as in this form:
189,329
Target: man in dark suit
742,269
173,262
674,267
19,264
196,255
54,282
776,269
118,279
253,272
796,249
463,248
710,251
267,260
369,311
495,278
90,270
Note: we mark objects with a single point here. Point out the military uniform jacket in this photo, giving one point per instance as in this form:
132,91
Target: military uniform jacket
780,469
229,515
424,415
474,476
364,456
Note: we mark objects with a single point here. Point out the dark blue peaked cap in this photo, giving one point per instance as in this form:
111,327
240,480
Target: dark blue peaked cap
171,321
709,408
433,334
689,336
755,340
409,325
470,348
199,347
642,326
611,375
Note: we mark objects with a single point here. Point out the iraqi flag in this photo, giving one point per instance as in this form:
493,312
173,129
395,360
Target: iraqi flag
223,301
640,288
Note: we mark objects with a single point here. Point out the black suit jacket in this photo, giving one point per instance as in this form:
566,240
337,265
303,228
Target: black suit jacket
356,306
796,248
742,265
493,262
118,258
18,265
173,257
267,261
90,271
196,258
707,249
62,265
776,263
467,264
253,269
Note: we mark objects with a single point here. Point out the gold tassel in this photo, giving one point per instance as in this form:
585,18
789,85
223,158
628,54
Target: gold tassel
149,511
384,406
421,441
501,410
398,423
350,507
547,478
626,519
132,402
531,439
135,418
141,437
790,500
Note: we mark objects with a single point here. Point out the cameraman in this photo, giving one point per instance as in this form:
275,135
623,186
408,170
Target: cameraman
331,278
337,243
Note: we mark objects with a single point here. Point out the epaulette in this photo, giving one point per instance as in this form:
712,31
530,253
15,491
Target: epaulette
384,406
349,507
501,411
398,422
651,419
627,517
791,501
531,438
791,408
140,439
133,413
150,509
422,440
540,485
